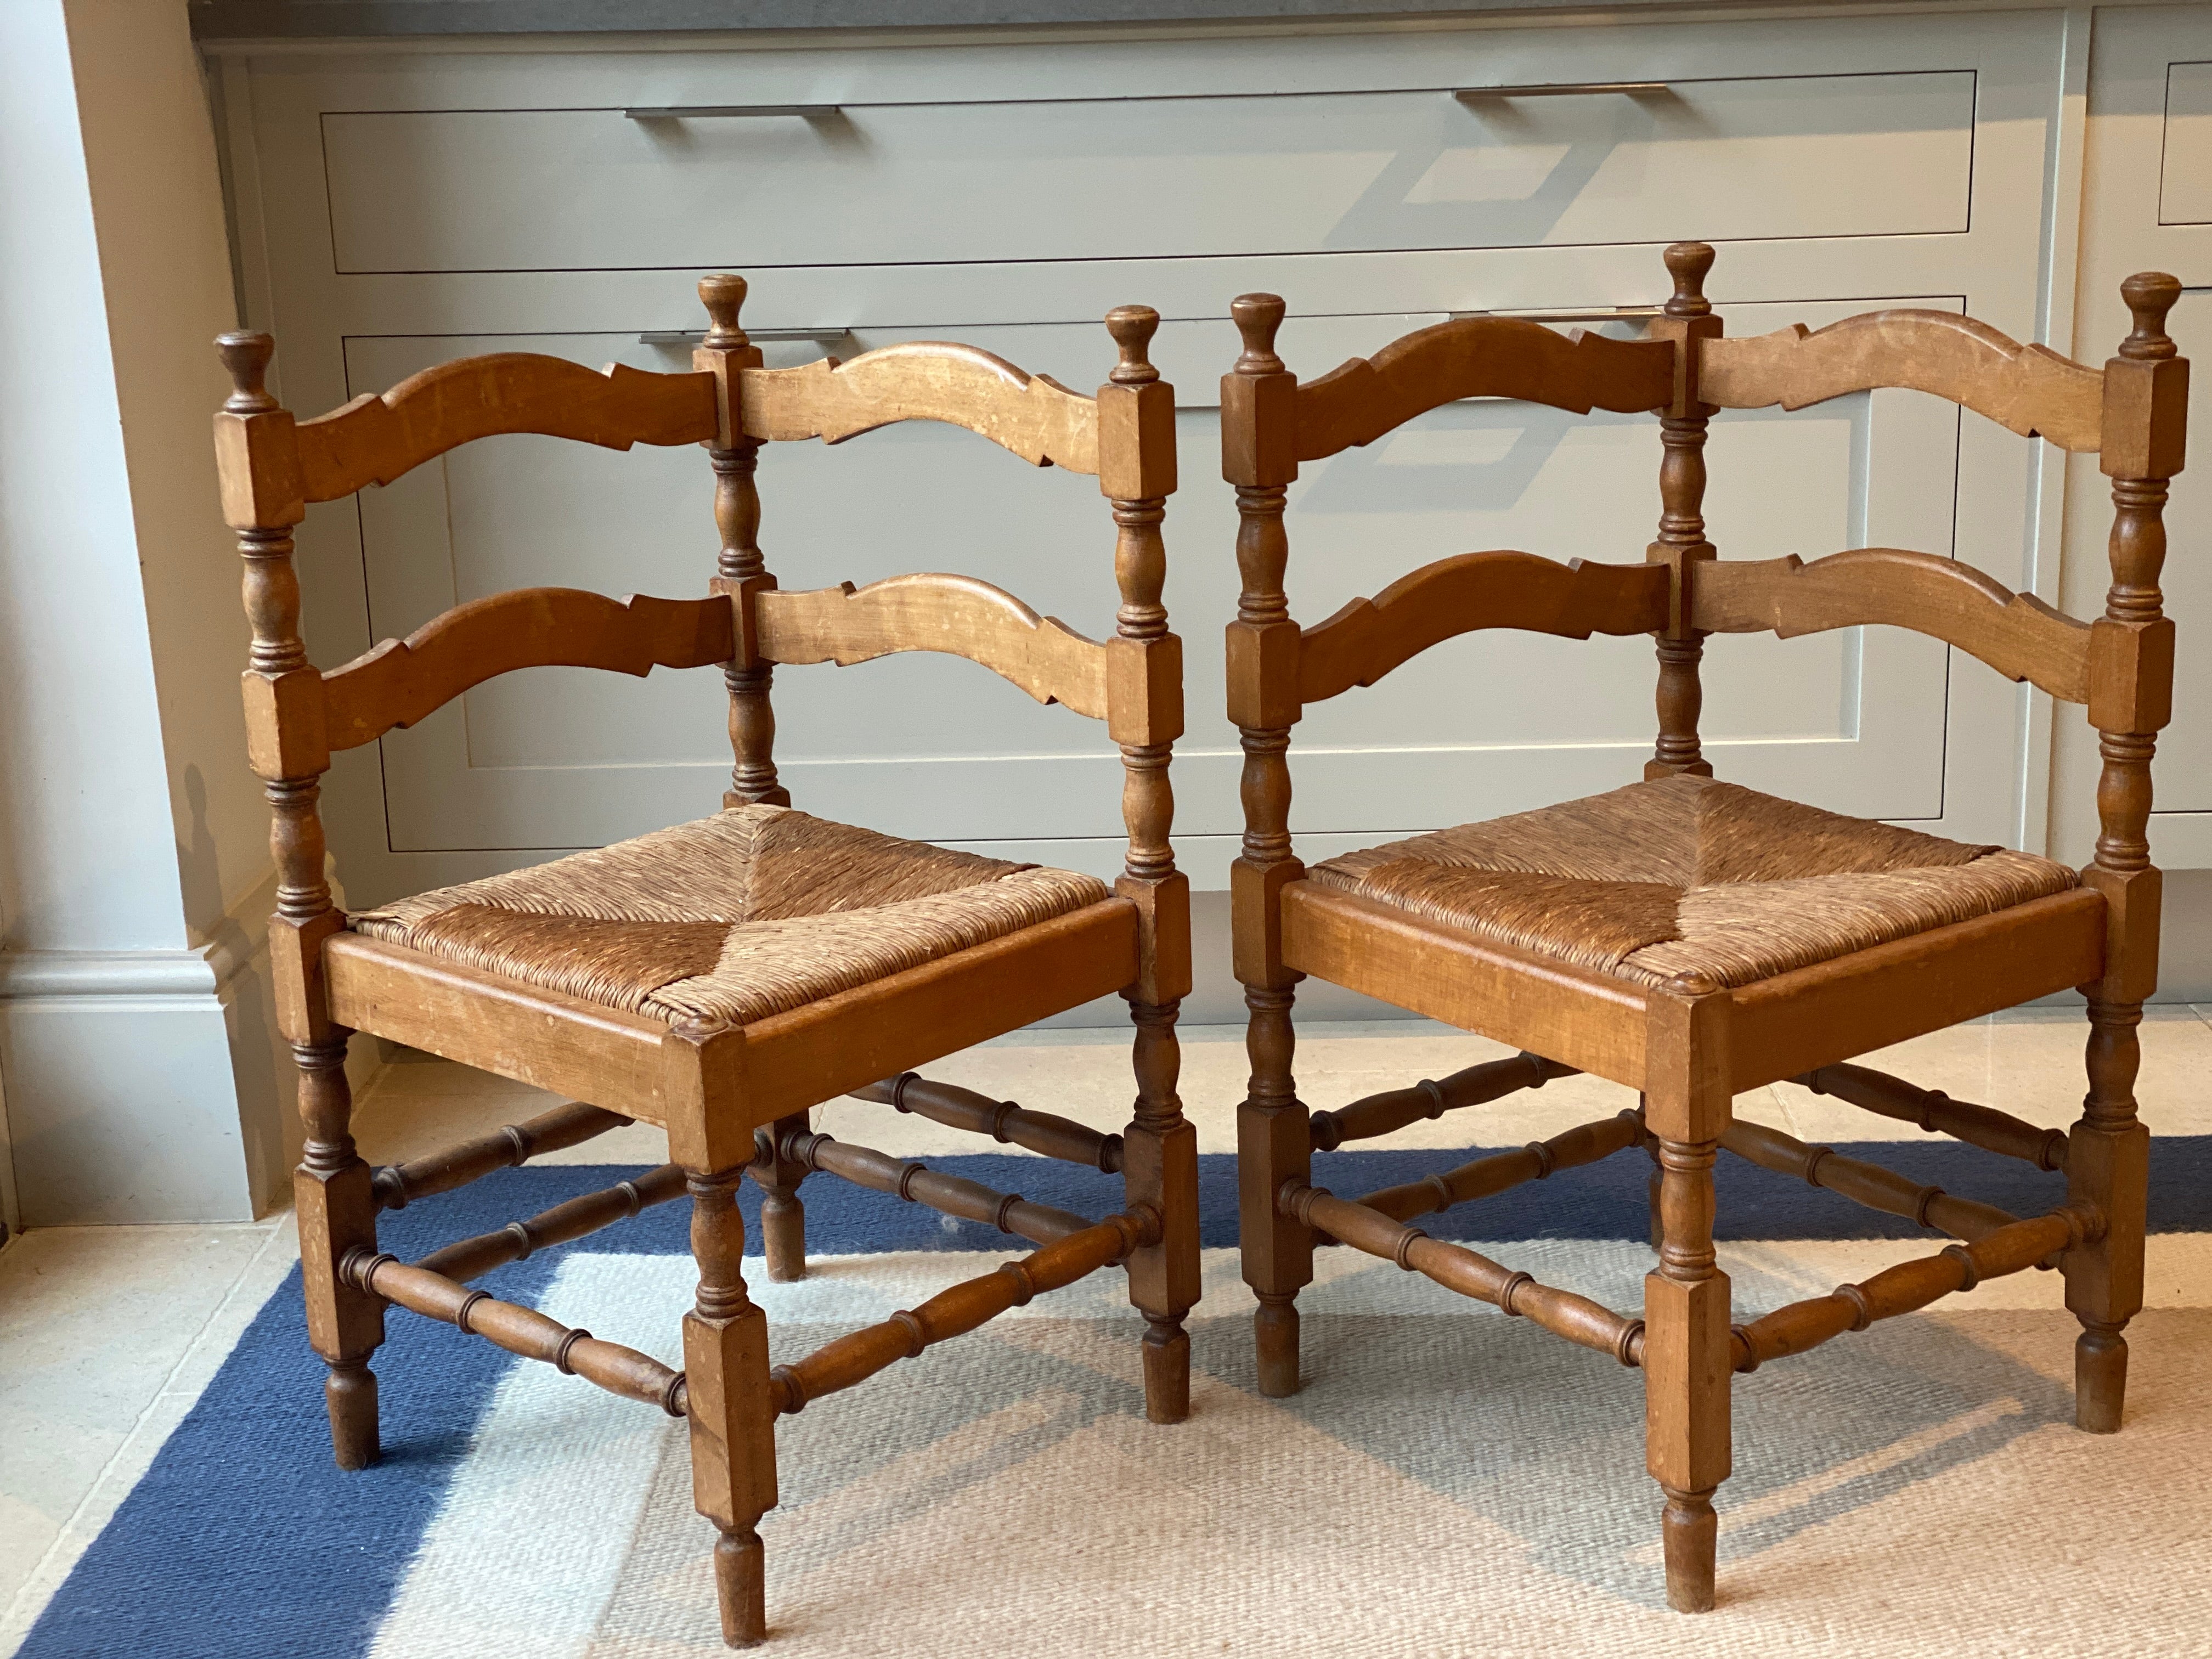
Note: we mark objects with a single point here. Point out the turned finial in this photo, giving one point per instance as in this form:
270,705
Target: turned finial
246,357
1258,316
724,296
1132,327
1689,262
2150,295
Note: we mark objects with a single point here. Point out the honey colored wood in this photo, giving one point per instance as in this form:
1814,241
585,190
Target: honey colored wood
1832,1011
735,1100
1368,638
473,1258
2016,633
401,681
1478,357
1691,1045
571,1124
905,1335
2028,389
1591,1021
1476,1085
1938,1114
957,616
1486,1177
1002,1119
1032,414
377,438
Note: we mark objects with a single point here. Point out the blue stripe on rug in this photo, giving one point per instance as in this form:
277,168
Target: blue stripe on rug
244,1538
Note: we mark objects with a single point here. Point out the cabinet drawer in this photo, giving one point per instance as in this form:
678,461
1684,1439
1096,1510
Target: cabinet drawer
1095,177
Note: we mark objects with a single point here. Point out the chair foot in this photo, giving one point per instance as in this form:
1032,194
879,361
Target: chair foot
350,1391
1691,1534
740,1581
783,1236
1167,1370
1275,1328
2100,1378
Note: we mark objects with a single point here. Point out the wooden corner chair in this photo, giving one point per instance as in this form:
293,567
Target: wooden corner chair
1681,936
721,978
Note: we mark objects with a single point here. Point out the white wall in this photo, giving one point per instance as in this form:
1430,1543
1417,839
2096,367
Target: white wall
135,1034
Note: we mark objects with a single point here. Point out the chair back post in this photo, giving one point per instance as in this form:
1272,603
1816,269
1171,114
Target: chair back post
741,570
2131,649
264,496
1144,668
1259,456
1688,321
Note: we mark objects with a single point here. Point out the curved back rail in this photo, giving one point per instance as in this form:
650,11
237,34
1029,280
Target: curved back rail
378,437
2027,389
1031,415
1368,638
401,681
1479,357
2016,633
958,616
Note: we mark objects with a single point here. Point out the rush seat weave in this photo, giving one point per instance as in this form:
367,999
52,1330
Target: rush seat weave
755,911
1689,876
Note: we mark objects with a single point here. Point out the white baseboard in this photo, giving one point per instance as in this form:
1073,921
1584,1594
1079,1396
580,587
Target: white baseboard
150,1085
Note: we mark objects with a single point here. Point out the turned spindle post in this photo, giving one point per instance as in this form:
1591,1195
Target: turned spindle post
2131,699
1688,321
1137,473
732,1418
1687,1364
740,571
783,1217
258,454
1259,428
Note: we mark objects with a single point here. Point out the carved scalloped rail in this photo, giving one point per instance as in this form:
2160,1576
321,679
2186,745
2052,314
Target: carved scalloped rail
1479,357
1032,414
402,680
375,438
2028,389
2016,633
957,614
1368,638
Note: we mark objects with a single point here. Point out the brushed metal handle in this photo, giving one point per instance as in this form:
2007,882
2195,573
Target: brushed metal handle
1563,90
716,111
682,337
1599,314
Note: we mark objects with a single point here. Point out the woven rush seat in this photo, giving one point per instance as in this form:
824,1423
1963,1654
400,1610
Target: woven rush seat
1686,875
753,912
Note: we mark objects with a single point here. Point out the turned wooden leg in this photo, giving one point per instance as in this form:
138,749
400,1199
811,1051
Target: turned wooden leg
1274,1145
1653,1191
1159,1168
783,1217
733,1423
2107,1165
1686,1372
337,1217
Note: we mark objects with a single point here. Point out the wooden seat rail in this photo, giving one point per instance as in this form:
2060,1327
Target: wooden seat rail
917,1184
1394,1109
1578,1319
1868,1184
397,1185
519,1330
473,1258
856,1357
1486,1177
1004,1120
1938,1114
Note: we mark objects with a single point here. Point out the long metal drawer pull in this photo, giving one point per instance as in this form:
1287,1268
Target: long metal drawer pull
1563,90
715,112
681,337
1597,314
